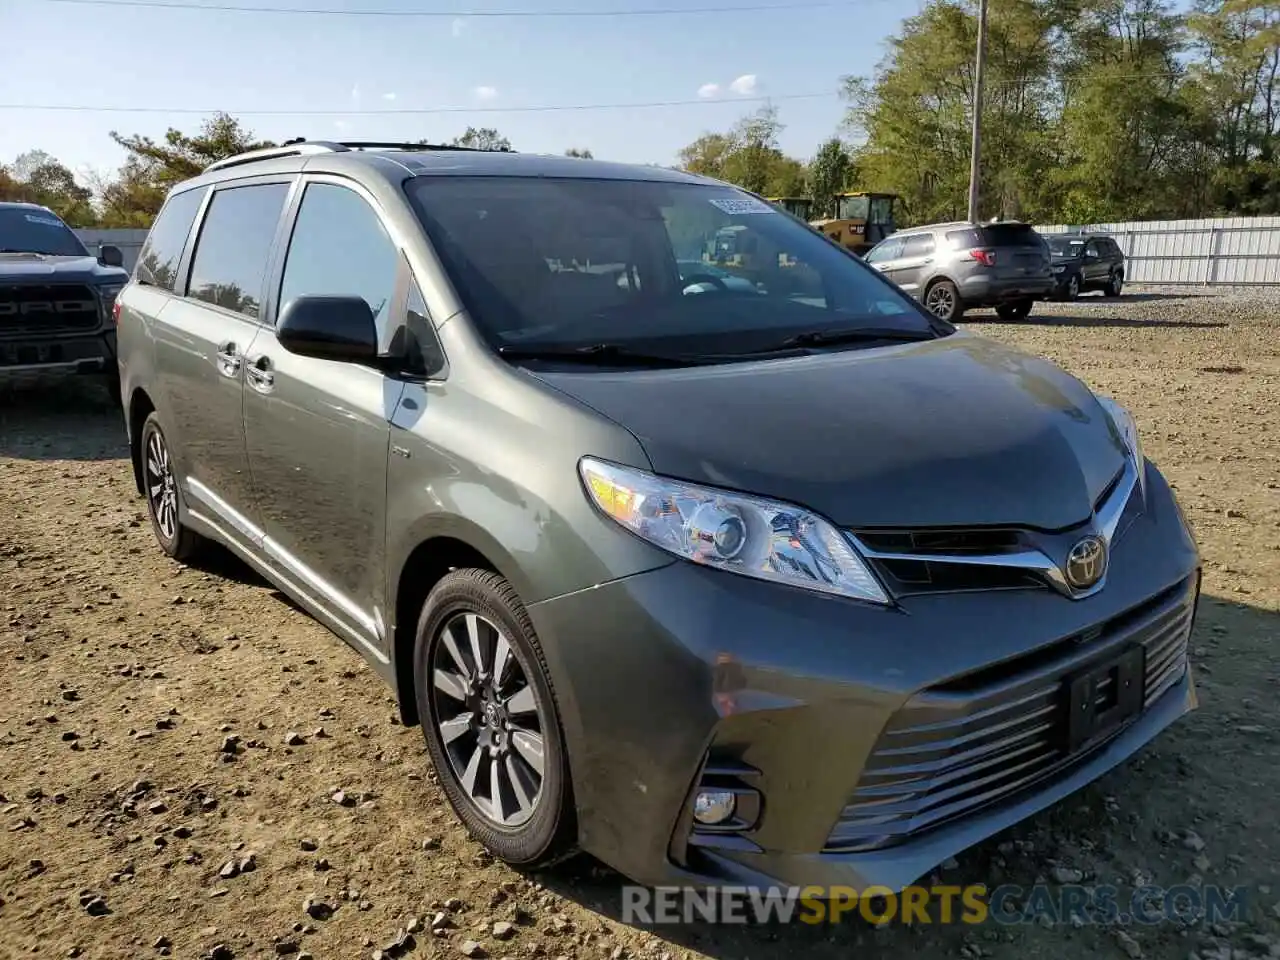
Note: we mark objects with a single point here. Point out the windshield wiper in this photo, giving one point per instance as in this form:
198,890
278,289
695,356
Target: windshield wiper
825,338
613,354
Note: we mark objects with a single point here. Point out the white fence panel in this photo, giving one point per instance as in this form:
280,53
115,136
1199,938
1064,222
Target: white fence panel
1226,251
129,241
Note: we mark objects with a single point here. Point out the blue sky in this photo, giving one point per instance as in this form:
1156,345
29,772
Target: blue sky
86,55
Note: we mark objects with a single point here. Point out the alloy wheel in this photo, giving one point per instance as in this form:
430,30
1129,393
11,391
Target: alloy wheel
162,488
490,722
941,301
1073,287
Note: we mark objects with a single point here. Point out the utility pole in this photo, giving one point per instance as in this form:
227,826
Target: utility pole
975,154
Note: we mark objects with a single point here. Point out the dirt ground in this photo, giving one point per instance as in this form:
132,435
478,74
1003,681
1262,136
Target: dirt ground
128,831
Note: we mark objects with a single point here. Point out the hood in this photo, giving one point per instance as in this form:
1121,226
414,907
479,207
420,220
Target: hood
33,268
959,431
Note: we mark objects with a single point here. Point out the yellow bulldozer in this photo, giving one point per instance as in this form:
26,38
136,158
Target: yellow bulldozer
861,220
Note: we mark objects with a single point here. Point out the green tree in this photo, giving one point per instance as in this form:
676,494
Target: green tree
36,177
747,155
182,156
828,175
915,117
482,138
706,156
1233,96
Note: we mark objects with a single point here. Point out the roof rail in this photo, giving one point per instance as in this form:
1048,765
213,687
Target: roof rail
395,145
290,148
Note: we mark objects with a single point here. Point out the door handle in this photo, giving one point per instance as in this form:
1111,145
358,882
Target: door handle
229,359
259,374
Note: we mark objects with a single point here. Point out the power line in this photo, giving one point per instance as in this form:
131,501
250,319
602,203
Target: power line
414,111
463,14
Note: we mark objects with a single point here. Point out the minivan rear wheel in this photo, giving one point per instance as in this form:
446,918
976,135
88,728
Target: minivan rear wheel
163,494
1017,310
942,299
491,722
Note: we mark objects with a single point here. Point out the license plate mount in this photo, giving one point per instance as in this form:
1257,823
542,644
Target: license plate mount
1104,696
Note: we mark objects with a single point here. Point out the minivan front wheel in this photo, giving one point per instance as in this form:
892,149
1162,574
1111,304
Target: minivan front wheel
490,720
942,299
163,495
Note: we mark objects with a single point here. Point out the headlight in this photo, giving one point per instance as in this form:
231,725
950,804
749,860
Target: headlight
1123,423
741,534
109,293
1059,269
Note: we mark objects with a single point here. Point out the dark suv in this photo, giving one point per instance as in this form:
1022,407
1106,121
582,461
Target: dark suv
779,581
1084,262
952,267
56,299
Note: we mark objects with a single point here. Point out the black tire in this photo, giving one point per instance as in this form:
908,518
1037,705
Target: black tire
1017,310
112,384
1115,284
163,493
1071,291
942,299
546,832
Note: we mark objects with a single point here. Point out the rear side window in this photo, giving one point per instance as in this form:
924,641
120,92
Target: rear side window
230,263
921,245
965,239
1010,235
158,262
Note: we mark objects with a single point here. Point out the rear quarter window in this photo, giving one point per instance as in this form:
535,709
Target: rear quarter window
963,239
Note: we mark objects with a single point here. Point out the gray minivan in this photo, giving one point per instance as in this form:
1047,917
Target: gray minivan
784,582
952,267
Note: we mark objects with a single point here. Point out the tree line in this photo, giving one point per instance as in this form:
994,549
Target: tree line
132,196
1093,111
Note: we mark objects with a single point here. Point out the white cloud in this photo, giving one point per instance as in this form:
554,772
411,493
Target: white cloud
485,93
458,26
388,96
355,94
708,90
744,85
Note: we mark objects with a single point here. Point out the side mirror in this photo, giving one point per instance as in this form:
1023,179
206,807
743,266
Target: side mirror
329,328
110,255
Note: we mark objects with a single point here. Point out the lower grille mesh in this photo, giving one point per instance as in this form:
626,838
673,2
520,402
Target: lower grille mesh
951,751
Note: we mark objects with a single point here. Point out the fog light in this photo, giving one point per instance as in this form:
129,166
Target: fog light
713,807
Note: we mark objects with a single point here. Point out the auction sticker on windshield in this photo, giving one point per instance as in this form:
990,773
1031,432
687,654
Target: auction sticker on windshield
47,221
747,205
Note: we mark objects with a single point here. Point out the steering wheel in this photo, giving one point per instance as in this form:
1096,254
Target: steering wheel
694,279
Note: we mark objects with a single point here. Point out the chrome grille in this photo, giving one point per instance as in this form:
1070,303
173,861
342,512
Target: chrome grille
37,308
947,560
983,737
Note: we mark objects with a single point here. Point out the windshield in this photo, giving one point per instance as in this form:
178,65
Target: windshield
852,208
548,261
32,230
1064,248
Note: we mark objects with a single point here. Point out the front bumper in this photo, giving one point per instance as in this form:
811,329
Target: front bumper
31,357
800,696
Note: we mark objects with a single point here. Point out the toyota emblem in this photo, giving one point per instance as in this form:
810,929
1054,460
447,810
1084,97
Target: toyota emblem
1086,563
